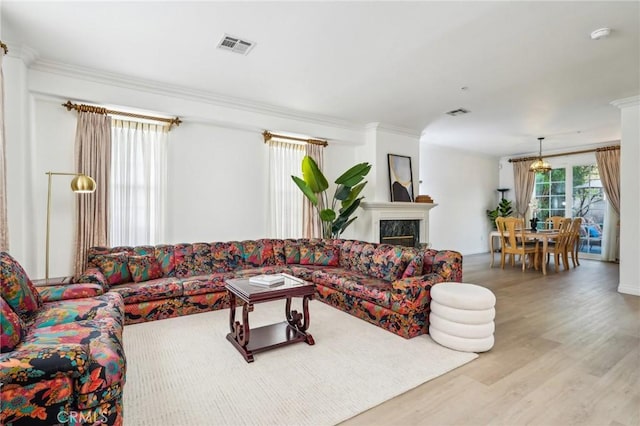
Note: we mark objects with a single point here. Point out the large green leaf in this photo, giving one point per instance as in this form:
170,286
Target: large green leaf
342,192
346,212
343,227
354,175
327,215
313,176
353,194
306,190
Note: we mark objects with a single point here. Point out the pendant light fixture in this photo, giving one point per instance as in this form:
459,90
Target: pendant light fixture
540,166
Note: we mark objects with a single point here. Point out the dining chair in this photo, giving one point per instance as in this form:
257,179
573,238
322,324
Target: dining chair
559,247
574,243
513,242
553,222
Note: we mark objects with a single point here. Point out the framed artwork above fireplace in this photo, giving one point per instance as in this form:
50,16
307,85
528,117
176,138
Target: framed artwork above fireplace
400,178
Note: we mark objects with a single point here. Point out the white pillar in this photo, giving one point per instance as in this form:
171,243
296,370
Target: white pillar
629,195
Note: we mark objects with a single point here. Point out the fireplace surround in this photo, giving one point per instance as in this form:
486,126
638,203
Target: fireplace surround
375,214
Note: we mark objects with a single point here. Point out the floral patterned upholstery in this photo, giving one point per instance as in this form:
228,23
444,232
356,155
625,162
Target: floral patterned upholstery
392,282
53,293
68,356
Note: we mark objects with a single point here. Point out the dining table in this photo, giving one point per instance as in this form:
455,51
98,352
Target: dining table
544,235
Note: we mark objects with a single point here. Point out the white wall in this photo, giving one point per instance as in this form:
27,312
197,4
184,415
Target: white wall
630,196
463,184
217,171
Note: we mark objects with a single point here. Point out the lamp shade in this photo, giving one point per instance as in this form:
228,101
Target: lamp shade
83,184
540,166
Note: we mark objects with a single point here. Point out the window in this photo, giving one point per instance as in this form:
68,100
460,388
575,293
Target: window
574,191
550,192
138,183
285,198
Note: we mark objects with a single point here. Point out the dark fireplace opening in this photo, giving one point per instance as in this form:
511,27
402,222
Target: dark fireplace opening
400,232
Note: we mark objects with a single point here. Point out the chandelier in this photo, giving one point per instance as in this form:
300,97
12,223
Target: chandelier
540,166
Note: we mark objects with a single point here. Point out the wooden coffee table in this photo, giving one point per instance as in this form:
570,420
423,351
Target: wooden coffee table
250,341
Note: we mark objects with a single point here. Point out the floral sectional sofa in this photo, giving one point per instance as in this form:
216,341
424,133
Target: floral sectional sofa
61,357
386,285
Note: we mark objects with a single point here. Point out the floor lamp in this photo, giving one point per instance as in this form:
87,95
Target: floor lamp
81,184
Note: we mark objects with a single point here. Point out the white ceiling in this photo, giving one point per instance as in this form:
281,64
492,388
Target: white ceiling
531,68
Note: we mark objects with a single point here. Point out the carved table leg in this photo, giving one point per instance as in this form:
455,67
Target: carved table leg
300,321
240,332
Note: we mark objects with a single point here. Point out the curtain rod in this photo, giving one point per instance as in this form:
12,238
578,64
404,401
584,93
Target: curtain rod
4,47
268,136
604,148
100,110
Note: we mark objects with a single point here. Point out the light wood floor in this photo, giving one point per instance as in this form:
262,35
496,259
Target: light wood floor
567,352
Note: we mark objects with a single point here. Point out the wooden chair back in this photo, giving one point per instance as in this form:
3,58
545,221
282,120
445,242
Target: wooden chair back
511,229
553,222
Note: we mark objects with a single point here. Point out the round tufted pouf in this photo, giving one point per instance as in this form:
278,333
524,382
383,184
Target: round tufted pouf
462,316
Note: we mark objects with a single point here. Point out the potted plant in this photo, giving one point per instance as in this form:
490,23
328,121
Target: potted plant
504,209
350,184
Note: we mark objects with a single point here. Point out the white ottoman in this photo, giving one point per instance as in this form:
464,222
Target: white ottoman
462,316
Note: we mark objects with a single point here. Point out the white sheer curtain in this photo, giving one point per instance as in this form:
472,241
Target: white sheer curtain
285,198
138,183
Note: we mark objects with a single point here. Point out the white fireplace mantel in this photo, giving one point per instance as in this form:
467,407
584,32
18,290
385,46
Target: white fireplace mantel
375,211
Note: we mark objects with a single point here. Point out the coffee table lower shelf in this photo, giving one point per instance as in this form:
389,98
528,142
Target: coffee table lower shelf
270,337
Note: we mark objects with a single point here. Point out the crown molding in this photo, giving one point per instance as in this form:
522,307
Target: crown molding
390,128
159,88
626,102
19,51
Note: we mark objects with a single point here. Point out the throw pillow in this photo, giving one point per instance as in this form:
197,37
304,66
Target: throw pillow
144,268
292,252
12,328
114,267
17,289
326,255
307,254
262,254
414,268
385,262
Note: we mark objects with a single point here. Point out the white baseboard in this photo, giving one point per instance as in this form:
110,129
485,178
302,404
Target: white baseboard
629,289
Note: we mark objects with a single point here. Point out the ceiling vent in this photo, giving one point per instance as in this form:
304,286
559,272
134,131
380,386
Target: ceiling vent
235,44
459,111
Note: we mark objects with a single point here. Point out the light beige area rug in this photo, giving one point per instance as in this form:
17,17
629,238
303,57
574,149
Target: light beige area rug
183,371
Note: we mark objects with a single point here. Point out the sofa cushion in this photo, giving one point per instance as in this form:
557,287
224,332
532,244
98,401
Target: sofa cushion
108,305
149,290
53,293
366,258
164,255
106,361
356,284
114,267
259,253
345,254
17,289
307,253
144,268
12,327
144,251
270,269
326,255
386,262
414,268
206,283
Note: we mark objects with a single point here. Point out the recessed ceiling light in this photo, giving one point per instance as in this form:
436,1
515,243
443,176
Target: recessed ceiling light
600,33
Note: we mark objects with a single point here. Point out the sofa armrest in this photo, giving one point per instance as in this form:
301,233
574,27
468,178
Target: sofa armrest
53,293
415,292
446,263
34,364
93,275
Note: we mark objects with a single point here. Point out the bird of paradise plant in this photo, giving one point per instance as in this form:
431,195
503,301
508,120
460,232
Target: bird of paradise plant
350,184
